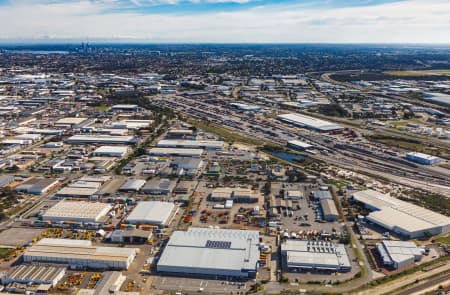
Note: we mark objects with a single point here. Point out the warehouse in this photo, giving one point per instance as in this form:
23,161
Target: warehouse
132,185
110,283
132,124
152,212
71,122
191,144
131,236
309,122
37,186
187,163
211,253
315,255
159,187
329,210
398,254
34,275
126,108
406,219
181,133
299,145
77,212
100,139
423,159
111,151
76,192
79,254
196,153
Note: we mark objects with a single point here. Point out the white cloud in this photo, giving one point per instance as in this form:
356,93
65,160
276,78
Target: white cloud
417,21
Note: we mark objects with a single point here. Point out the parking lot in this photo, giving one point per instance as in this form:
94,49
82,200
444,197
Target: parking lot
192,285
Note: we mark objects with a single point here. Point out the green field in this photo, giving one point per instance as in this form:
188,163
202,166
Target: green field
422,73
4,252
101,108
443,240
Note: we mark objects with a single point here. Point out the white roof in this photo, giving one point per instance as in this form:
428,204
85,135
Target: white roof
70,120
309,122
108,149
394,212
153,212
72,209
173,151
214,249
189,143
422,156
301,144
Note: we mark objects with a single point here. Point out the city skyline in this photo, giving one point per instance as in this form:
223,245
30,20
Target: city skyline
227,21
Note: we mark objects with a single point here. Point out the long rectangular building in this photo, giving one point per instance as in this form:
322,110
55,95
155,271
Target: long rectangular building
191,144
159,151
309,122
406,219
100,139
315,255
79,254
211,252
76,211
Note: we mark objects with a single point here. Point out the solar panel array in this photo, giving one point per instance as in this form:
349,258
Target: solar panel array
218,244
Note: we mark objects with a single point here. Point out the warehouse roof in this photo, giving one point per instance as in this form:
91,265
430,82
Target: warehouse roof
132,185
310,122
70,121
398,251
395,212
176,151
73,209
76,191
212,249
189,143
78,249
107,149
300,144
34,273
151,212
328,207
78,139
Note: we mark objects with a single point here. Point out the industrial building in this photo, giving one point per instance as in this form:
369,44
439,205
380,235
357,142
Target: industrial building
329,210
212,253
423,159
309,122
299,145
177,152
159,187
77,211
132,124
76,192
191,144
315,255
398,254
152,212
125,108
37,186
100,139
34,275
406,219
79,254
132,185
111,151
238,195
129,236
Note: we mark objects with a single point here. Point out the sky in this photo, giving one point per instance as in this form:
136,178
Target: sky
227,21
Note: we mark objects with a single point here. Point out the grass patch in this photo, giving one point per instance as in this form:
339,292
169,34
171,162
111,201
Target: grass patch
5,252
227,135
101,108
443,240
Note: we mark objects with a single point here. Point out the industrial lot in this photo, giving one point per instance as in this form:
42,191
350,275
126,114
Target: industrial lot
234,188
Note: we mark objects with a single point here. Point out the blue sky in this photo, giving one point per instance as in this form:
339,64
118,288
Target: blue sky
292,21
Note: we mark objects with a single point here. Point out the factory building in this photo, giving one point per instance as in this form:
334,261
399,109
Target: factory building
299,145
176,152
100,139
423,159
110,283
329,210
34,275
76,192
315,255
205,252
125,108
132,185
77,212
191,144
37,186
409,220
152,212
309,122
181,134
111,151
159,187
131,236
79,254
398,254
238,195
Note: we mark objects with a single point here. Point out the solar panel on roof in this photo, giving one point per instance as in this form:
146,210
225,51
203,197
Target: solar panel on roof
218,244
